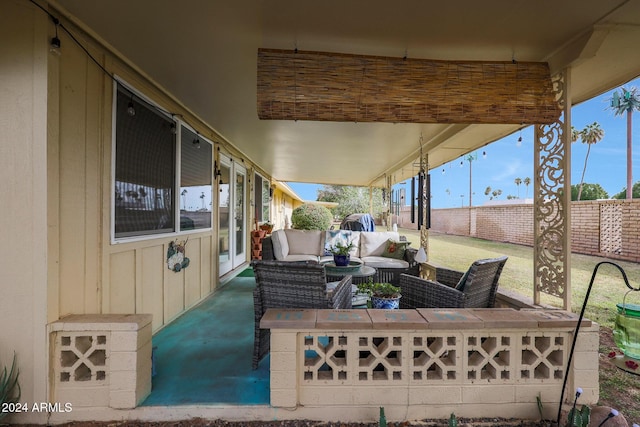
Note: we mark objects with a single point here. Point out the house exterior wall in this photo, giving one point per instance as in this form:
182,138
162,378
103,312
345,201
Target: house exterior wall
93,274
55,151
282,207
23,195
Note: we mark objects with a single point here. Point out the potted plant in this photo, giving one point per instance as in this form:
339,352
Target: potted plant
267,226
383,295
341,253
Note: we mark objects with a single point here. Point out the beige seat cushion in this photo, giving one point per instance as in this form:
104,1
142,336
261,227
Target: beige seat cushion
301,257
384,262
305,242
373,243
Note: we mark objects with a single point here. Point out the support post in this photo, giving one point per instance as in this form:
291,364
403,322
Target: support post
552,200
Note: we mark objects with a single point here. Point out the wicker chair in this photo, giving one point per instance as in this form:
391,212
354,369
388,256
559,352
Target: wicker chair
291,285
454,289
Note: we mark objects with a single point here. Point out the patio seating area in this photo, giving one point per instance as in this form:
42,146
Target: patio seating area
204,357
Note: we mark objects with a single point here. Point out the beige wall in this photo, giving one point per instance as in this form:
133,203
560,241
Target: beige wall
282,205
55,152
23,194
92,274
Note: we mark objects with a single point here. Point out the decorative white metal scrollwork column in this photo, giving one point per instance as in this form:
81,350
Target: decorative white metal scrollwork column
424,194
552,200
387,205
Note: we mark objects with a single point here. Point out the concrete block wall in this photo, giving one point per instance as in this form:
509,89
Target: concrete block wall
420,363
507,223
451,221
101,360
608,228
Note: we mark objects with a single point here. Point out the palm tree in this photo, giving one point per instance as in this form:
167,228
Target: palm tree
518,181
527,181
591,134
627,101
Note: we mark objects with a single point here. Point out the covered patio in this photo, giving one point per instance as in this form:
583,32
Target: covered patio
247,93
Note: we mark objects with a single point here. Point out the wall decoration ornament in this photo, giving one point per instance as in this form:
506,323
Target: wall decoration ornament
176,259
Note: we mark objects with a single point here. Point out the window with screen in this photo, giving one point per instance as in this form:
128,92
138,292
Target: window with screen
262,197
147,196
195,181
144,168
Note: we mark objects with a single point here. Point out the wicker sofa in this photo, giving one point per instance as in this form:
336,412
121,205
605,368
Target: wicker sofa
370,247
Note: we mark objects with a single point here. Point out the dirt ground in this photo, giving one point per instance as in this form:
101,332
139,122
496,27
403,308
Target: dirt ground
617,390
305,423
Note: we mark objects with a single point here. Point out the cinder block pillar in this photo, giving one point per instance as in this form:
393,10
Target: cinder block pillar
101,360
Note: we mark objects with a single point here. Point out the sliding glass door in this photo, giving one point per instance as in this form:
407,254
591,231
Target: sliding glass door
232,215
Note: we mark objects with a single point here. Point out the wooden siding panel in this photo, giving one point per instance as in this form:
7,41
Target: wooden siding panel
121,288
151,296
173,293
192,273
73,104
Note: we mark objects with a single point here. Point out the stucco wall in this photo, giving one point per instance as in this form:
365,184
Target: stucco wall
608,228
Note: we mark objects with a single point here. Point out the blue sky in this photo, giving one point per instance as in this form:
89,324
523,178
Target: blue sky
507,160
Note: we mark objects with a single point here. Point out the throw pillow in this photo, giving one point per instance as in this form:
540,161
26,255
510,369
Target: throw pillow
395,249
343,237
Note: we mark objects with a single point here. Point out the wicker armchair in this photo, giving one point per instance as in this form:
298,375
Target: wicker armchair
291,285
454,289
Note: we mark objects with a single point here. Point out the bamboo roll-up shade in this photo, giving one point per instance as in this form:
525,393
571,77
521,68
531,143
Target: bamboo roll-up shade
297,85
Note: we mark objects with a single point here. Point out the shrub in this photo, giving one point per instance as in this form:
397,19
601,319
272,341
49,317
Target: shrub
311,217
9,386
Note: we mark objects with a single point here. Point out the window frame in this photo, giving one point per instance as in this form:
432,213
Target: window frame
263,181
177,169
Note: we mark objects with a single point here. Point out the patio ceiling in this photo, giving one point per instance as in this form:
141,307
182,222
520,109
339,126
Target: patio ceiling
205,53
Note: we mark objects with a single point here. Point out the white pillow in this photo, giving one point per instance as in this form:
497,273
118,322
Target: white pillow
305,242
280,245
373,243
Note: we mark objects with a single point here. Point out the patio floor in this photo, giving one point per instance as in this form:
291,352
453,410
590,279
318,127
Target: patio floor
204,356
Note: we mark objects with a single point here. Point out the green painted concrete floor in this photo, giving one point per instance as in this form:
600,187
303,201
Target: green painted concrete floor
204,356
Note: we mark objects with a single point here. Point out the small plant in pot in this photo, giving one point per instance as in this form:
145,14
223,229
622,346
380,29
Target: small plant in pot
383,295
341,253
267,226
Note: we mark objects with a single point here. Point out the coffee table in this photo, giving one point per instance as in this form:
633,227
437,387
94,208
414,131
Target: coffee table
358,275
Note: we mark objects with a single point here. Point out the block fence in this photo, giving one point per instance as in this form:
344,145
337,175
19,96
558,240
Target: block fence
606,228
426,363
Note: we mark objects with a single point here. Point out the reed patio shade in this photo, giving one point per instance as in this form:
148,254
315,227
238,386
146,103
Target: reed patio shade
301,85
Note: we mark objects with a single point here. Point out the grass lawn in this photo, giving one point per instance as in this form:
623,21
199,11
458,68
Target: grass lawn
618,389
459,252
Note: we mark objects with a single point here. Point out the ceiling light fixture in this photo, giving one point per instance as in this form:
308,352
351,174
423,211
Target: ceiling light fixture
54,46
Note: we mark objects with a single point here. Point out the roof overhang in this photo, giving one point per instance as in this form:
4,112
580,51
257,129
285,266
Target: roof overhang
205,54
